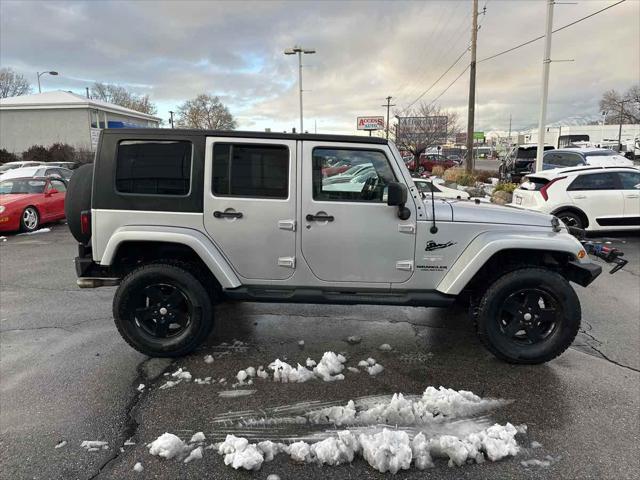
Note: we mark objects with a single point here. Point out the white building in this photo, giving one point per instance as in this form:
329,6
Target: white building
605,135
64,117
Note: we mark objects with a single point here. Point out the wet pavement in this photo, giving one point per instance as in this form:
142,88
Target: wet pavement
67,376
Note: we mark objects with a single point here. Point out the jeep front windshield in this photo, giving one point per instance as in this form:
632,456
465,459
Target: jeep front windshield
22,186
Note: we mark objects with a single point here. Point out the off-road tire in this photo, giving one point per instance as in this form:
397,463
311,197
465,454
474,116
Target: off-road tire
23,226
77,199
194,334
553,284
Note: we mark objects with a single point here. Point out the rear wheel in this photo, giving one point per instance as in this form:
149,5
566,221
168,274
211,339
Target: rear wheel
528,316
30,220
162,310
571,219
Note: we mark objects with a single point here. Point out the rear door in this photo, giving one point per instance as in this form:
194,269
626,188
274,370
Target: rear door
250,204
599,196
630,182
349,233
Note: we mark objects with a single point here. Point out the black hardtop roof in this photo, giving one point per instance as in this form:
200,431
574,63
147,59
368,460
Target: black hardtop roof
164,132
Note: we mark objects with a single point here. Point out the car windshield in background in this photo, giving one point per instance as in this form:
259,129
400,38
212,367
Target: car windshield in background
22,185
531,153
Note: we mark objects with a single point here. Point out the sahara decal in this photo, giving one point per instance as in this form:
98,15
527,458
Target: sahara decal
431,245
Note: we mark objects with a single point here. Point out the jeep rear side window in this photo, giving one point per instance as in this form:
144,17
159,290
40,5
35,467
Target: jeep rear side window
254,171
363,176
154,167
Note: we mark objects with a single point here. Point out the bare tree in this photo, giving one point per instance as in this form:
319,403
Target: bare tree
205,112
121,96
427,125
13,84
611,103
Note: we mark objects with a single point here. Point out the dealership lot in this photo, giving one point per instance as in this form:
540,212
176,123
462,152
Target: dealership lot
67,376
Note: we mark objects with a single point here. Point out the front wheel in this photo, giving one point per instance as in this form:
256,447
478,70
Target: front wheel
529,316
30,220
571,219
162,310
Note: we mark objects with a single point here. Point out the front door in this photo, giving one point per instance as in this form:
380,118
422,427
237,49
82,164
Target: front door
250,204
349,233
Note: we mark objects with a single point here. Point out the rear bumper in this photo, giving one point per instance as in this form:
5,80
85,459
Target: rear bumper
90,274
582,273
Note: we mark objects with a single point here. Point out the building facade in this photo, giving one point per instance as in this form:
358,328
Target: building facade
62,117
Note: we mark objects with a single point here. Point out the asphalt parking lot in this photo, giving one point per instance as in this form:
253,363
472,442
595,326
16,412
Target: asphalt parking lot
67,376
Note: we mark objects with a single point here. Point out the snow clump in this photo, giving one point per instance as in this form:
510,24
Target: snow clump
195,454
94,445
167,446
197,437
238,453
208,359
385,347
138,467
330,367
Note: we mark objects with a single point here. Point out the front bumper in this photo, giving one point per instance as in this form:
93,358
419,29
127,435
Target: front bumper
582,273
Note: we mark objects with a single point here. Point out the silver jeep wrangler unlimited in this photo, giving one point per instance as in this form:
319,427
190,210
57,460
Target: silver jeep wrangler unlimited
181,220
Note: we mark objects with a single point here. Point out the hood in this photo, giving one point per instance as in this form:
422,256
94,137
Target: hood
467,211
9,199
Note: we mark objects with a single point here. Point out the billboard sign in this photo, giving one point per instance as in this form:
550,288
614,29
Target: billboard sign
370,123
433,127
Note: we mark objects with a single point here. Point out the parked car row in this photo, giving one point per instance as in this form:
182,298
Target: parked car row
45,170
27,203
520,161
428,161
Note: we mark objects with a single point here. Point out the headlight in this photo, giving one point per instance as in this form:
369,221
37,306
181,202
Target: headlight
2,208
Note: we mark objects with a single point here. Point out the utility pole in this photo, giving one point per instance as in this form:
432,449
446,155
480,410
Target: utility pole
620,126
472,87
388,105
87,89
546,64
509,136
300,51
171,118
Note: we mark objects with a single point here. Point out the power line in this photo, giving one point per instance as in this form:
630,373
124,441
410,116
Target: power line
554,31
435,83
449,86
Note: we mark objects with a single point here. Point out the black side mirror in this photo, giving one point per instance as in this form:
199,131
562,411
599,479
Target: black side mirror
397,196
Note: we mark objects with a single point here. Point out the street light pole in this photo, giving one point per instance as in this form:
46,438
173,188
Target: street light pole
44,73
546,64
300,51
171,119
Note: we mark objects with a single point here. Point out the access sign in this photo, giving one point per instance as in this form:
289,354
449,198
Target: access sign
370,123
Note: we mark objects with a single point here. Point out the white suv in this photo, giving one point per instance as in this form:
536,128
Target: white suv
592,198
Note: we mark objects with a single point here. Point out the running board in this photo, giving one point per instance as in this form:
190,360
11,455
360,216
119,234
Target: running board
430,298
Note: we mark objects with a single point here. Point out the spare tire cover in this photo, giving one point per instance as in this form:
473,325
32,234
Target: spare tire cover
78,199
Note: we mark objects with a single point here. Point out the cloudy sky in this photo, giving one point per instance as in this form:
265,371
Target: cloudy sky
366,50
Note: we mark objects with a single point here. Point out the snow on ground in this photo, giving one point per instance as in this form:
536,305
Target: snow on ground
354,339
167,446
61,444
208,359
140,387
535,444
42,230
94,445
391,433
196,454
235,393
385,347
138,467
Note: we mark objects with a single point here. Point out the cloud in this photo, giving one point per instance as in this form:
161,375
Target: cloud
365,51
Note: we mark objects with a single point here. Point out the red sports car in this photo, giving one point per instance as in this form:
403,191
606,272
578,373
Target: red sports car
27,203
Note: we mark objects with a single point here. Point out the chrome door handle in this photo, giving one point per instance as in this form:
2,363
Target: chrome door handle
319,218
219,214
579,197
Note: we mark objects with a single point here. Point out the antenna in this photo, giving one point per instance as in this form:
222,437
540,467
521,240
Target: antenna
433,228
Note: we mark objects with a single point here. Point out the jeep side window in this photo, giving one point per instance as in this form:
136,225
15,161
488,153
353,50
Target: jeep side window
254,171
365,181
154,167
595,181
